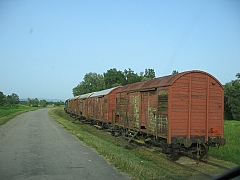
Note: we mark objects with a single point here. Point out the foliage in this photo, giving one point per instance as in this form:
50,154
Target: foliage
2,99
231,151
29,102
175,72
131,77
13,99
149,74
9,99
232,99
34,102
59,103
93,82
113,78
43,103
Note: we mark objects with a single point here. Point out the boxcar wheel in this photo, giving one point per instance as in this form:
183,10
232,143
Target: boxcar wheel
173,155
200,152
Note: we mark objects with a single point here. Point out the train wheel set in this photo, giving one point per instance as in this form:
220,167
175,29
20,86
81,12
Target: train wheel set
181,113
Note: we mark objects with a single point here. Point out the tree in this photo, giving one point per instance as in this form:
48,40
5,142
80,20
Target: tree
149,74
92,82
15,98
43,103
12,99
35,102
29,102
232,98
131,77
2,99
113,78
175,72
9,99
79,89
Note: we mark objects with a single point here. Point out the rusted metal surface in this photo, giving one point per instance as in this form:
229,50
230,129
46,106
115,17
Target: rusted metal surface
181,112
72,105
187,104
102,93
182,108
101,105
82,104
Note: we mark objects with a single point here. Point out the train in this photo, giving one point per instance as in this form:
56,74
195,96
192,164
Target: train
181,113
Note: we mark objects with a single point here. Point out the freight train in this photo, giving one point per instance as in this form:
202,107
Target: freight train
183,113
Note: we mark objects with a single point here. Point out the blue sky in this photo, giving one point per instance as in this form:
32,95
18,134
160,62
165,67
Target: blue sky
46,47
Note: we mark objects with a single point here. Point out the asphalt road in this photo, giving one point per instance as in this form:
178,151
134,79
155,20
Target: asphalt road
34,146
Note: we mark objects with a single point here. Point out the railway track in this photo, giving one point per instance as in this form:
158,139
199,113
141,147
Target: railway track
214,164
199,170
207,168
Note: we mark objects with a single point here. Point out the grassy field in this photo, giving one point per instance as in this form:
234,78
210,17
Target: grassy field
134,161
231,151
8,112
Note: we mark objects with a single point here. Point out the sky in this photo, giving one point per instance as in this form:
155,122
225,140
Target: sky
47,46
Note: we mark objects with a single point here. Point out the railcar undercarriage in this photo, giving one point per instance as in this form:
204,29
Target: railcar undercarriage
196,148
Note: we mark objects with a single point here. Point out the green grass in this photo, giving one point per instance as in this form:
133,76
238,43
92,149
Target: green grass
231,151
8,112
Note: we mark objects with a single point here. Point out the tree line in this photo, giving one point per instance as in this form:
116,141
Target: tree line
8,99
232,99
35,102
13,99
96,82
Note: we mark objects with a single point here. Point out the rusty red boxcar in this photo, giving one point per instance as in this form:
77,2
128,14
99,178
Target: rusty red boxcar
71,106
101,105
185,109
82,110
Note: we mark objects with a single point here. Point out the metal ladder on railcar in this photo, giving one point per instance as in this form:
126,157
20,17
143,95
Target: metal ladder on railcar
129,136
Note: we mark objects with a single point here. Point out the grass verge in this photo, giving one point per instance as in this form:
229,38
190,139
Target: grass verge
8,112
231,151
135,162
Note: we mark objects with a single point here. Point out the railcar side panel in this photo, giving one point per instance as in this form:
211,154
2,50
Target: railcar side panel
80,106
133,110
110,105
215,109
144,122
71,106
123,109
179,108
162,110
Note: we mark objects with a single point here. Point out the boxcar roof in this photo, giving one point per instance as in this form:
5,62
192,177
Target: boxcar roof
84,96
159,82
73,98
103,92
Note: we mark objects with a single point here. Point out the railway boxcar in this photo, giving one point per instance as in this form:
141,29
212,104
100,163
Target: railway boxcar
71,106
83,106
66,106
183,112
101,106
